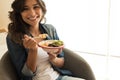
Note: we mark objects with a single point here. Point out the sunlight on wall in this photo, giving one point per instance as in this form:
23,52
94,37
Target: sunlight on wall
83,25
115,28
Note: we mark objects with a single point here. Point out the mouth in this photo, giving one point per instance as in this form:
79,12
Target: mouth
33,18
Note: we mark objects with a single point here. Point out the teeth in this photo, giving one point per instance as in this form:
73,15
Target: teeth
32,18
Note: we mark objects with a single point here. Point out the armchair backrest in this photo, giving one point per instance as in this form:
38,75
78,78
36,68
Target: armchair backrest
7,71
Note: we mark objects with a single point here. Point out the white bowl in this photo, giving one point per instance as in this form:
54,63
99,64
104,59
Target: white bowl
44,44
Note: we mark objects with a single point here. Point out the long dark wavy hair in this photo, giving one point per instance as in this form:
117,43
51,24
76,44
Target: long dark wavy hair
17,28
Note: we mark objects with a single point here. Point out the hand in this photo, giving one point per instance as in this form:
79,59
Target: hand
29,42
53,54
59,62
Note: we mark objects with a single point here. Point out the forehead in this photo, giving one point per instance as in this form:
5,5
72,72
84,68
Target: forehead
30,2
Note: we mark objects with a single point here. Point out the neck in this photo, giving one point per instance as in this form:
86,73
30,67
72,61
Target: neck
34,30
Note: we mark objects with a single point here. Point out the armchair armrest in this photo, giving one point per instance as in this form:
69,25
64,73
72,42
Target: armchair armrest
77,65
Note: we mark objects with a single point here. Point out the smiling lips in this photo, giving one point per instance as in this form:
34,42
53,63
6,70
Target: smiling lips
33,18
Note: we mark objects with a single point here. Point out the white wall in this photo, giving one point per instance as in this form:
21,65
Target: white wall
83,25
90,27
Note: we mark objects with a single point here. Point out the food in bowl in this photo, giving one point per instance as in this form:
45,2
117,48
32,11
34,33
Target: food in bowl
51,43
51,46
56,43
42,36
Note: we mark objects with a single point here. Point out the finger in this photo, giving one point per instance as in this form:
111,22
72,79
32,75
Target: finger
33,44
29,42
25,42
59,51
26,36
52,56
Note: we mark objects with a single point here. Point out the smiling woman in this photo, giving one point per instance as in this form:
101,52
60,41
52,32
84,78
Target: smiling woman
31,61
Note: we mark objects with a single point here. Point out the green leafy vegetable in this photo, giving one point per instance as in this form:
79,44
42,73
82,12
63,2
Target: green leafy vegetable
56,43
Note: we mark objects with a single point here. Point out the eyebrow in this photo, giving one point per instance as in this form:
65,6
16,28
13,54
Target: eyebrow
33,5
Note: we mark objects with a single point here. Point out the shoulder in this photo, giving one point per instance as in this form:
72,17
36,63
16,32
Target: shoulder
48,26
10,42
9,38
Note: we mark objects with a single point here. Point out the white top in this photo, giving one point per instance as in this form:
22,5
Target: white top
44,68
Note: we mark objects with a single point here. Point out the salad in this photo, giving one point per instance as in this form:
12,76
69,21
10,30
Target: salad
55,43
51,43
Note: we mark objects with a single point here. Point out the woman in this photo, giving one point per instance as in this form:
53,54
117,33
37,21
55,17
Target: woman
32,62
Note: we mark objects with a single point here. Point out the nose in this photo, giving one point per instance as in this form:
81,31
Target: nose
32,12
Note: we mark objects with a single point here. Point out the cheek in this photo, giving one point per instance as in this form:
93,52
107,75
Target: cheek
40,12
41,15
23,16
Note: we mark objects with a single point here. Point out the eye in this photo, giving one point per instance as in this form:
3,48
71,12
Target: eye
36,6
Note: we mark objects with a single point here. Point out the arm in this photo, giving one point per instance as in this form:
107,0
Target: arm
31,45
31,60
58,58
18,55
55,60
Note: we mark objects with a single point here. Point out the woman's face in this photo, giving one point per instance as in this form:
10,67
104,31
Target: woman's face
32,12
